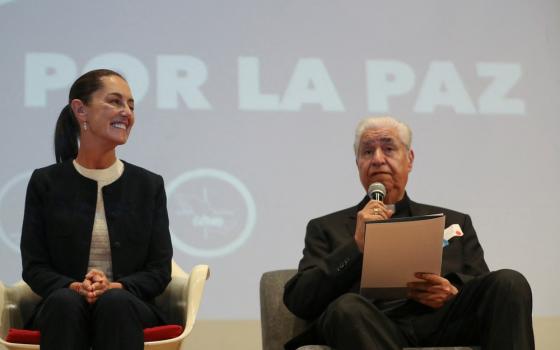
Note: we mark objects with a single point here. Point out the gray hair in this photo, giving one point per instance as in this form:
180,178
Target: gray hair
404,131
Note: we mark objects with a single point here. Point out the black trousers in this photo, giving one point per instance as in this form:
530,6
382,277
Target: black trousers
114,322
493,311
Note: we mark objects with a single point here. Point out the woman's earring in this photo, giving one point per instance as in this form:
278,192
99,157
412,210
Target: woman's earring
85,126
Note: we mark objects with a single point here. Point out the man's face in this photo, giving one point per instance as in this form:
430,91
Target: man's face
383,157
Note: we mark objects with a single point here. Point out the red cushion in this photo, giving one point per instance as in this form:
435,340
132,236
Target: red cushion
162,332
24,336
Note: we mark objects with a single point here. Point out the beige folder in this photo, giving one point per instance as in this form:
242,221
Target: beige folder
395,249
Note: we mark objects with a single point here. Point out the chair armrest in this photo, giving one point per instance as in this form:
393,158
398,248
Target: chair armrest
22,301
16,304
4,317
181,300
197,279
21,292
172,301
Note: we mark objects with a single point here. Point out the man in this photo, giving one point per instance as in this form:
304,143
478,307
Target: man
466,305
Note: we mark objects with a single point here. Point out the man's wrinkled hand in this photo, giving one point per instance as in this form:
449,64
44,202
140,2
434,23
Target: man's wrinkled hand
434,291
373,211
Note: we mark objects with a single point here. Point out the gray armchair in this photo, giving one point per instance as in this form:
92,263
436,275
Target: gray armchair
278,325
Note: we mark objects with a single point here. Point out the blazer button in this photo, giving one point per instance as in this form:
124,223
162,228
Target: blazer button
117,244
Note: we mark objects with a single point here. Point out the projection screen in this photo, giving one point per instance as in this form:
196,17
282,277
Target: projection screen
247,109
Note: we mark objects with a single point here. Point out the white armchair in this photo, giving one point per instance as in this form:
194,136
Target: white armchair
180,302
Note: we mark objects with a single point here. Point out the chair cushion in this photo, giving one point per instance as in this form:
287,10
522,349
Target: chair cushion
162,332
24,336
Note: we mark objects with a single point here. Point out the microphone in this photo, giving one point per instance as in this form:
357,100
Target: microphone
376,191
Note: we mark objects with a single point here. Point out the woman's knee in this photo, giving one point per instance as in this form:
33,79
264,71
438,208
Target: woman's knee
63,306
116,305
65,300
113,299
119,314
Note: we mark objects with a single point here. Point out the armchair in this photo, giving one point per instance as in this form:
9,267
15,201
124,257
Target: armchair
180,302
278,325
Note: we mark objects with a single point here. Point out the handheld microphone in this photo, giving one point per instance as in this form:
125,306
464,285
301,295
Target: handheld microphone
376,191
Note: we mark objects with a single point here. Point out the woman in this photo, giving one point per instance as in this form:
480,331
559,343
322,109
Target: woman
95,241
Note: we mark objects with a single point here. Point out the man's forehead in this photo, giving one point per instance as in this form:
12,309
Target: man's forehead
385,135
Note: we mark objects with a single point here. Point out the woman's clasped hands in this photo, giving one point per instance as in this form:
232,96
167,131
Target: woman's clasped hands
93,286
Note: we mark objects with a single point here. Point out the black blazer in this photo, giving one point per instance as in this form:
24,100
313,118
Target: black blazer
332,264
56,235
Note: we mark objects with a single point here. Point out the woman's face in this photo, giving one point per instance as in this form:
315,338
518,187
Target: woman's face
109,115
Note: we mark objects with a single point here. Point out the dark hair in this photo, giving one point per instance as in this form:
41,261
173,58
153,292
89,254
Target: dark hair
67,131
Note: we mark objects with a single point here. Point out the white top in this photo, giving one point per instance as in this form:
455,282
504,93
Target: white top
100,249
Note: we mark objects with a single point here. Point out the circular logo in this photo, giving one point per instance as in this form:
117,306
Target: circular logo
212,213
12,198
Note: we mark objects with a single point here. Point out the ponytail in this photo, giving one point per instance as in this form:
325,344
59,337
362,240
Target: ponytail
66,135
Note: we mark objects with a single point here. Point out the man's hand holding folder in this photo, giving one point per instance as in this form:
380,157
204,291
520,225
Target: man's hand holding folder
433,291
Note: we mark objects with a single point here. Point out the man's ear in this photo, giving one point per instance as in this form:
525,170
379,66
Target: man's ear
79,109
410,159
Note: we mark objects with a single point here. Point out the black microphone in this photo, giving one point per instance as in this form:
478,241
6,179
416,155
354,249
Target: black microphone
376,191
